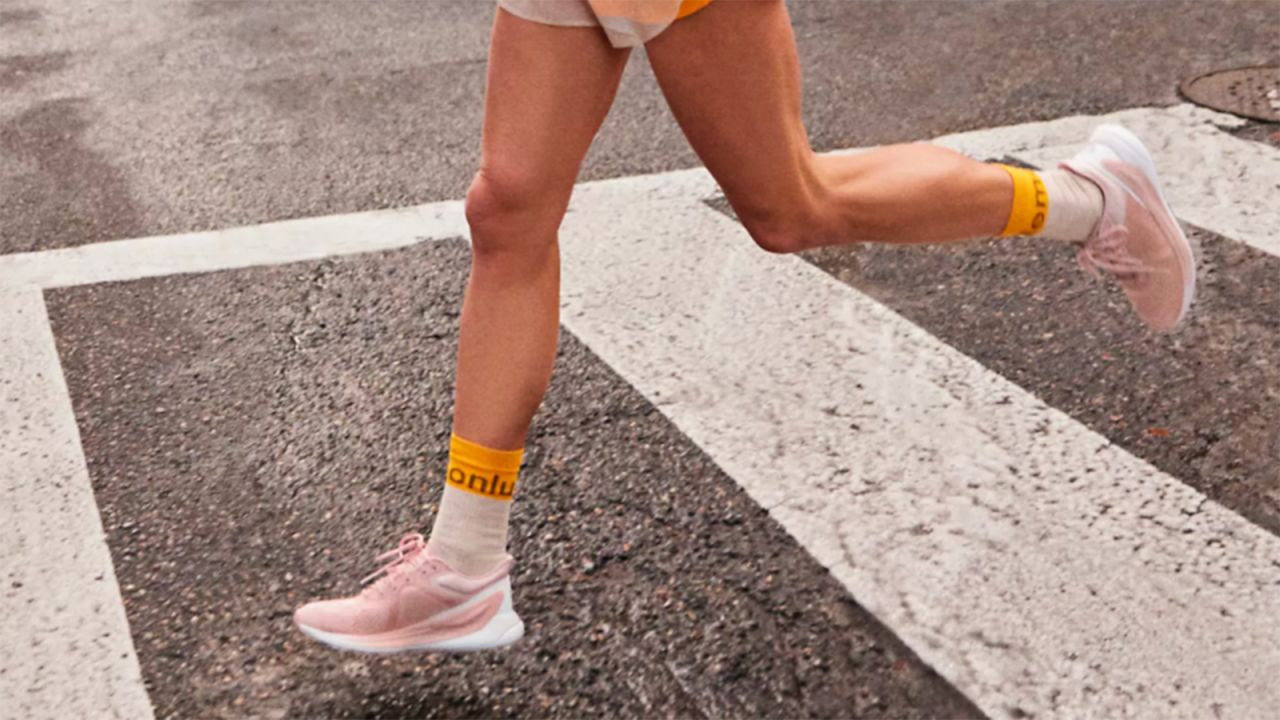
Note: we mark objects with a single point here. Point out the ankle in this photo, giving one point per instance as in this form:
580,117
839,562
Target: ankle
462,559
1075,206
470,531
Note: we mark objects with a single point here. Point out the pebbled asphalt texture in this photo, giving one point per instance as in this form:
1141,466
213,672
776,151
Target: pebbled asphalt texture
255,437
1201,404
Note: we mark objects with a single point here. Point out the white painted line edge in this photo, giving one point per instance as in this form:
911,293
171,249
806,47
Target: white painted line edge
1221,183
269,244
1035,565
313,238
67,648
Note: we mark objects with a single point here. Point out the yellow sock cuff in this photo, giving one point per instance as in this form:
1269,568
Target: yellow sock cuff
483,471
1030,202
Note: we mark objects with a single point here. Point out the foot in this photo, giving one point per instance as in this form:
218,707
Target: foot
1138,241
417,602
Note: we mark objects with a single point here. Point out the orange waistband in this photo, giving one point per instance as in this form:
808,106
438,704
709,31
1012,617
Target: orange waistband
689,7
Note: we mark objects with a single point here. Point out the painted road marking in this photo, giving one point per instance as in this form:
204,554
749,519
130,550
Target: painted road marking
1225,185
67,648
269,244
91,626
1035,565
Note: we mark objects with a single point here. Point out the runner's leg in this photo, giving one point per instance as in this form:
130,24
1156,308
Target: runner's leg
548,90
732,77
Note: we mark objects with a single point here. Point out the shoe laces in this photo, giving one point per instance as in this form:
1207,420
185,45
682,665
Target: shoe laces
1106,251
409,546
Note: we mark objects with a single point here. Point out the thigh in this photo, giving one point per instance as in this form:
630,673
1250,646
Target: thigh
547,91
732,78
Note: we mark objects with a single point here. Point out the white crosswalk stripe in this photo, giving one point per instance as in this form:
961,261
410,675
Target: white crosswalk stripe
1011,547
1033,564
68,652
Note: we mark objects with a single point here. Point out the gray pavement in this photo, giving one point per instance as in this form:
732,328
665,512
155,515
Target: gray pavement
1202,404
251,435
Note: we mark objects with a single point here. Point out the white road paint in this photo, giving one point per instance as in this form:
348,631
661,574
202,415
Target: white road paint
1035,565
1023,589
1218,182
269,244
67,652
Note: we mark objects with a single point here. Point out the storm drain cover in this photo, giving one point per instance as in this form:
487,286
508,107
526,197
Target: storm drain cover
1252,92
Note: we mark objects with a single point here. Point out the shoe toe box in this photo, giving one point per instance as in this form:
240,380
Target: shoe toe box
332,616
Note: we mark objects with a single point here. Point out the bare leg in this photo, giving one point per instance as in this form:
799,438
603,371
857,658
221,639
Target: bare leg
732,78
549,88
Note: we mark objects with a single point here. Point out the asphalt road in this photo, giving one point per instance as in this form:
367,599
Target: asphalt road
252,434
308,425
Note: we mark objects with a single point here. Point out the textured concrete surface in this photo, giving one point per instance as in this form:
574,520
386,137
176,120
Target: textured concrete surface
1040,568
67,648
1202,405
255,436
135,119
283,242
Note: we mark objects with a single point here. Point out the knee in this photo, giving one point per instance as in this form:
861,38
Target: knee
513,211
783,231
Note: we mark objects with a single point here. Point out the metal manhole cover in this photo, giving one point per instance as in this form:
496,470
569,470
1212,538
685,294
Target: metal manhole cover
1252,92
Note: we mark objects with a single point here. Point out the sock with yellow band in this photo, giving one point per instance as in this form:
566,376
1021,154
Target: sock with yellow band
1055,204
470,532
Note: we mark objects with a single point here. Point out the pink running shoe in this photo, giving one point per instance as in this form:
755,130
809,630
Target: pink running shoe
1137,240
418,603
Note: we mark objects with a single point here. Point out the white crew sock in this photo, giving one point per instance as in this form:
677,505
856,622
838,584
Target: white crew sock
470,532
1075,206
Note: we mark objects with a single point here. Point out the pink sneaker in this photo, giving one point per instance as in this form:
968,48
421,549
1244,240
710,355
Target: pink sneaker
419,603
1137,240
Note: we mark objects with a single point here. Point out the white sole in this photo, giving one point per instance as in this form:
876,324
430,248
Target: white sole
1129,149
503,629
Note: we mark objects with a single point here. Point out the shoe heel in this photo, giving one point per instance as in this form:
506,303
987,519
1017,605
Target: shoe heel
503,629
1129,148
511,634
